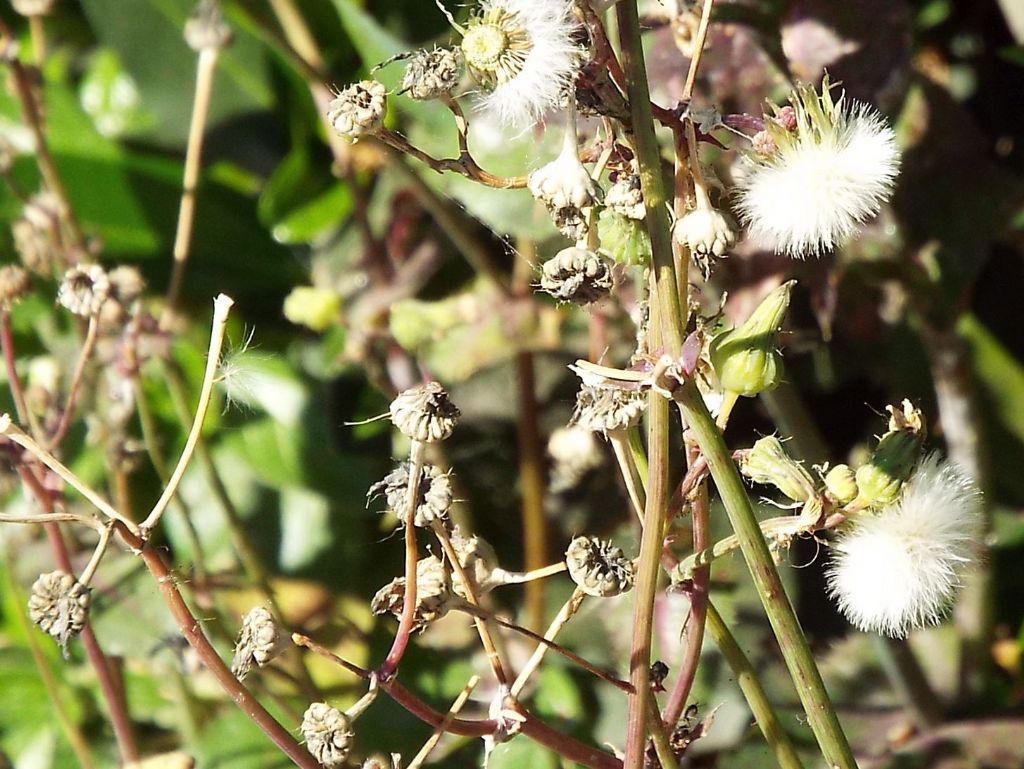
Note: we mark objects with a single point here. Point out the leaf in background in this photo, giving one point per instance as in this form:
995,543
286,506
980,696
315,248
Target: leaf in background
109,95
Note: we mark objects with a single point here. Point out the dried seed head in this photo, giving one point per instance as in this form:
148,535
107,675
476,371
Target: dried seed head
626,198
328,734
84,289
565,188
206,28
126,284
359,109
604,409
14,285
479,562
598,567
575,452
33,7
431,74
433,500
259,641
424,413
576,275
433,593
35,248
705,231
59,604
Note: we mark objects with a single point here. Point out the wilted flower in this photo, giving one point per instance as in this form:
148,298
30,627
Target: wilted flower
84,289
598,567
564,186
433,500
626,197
424,413
433,593
328,734
577,275
430,74
575,452
59,605
359,109
606,409
899,569
769,463
826,176
522,53
259,641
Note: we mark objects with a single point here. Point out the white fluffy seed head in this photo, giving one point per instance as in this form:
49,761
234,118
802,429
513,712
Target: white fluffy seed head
900,569
522,52
824,178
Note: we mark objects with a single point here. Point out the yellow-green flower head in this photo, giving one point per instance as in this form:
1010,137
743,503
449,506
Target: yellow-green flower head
746,359
523,54
808,187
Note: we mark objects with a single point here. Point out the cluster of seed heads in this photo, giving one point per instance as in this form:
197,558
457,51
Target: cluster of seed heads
424,413
59,605
598,567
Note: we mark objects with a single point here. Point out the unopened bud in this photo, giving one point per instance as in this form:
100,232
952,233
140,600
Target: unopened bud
768,463
880,481
841,483
746,359
359,109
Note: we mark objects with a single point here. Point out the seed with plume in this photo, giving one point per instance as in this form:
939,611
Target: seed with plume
598,567
899,569
433,500
328,734
524,55
84,289
576,275
606,409
259,641
424,413
359,109
833,164
431,74
59,605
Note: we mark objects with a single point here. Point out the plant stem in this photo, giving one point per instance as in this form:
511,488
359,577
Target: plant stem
795,650
76,383
407,621
206,65
746,677
442,727
698,50
693,629
905,674
569,608
531,487
221,307
659,736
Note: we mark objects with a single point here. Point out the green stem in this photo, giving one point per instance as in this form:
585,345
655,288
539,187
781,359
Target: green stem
659,736
795,650
905,674
767,720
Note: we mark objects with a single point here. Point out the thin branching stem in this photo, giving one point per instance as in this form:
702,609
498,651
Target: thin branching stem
66,417
442,727
221,307
698,49
206,66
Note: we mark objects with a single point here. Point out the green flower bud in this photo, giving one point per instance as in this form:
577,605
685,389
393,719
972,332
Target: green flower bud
841,483
746,359
880,480
315,308
769,463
